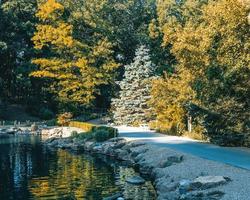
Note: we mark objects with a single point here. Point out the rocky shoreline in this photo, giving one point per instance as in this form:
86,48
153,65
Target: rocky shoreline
48,132
10,131
174,175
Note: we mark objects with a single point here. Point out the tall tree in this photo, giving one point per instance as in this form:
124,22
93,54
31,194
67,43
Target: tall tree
17,25
131,107
74,67
213,55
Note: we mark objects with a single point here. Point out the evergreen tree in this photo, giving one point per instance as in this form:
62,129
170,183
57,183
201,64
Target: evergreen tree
131,107
17,24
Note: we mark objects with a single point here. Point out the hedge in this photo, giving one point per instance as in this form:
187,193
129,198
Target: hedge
82,125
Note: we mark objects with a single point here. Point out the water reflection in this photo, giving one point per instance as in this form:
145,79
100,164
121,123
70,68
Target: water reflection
28,170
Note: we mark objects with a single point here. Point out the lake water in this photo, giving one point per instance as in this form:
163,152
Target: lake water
29,170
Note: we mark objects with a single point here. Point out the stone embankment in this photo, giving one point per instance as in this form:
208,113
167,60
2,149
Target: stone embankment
47,132
60,132
8,131
175,175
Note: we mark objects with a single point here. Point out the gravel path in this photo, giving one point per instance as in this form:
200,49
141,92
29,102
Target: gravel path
239,157
238,188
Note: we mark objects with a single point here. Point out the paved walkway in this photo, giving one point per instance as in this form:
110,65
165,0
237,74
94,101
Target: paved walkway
239,157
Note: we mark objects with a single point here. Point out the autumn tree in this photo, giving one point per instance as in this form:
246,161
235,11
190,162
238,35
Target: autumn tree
74,67
212,61
170,97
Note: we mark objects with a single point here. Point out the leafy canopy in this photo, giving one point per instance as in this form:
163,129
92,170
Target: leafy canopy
75,68
210,41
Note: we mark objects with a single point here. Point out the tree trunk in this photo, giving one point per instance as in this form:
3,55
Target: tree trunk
189,124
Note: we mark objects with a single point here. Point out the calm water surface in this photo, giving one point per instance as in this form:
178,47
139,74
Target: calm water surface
28,170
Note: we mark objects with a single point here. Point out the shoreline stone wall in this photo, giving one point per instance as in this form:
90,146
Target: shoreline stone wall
160,165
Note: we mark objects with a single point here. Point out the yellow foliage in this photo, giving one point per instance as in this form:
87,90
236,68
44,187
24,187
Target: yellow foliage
90,11
82,125
77,68
64,118
210,41
169,97
153,30
60,36
50,10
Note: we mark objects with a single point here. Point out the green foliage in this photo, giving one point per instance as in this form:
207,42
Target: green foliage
98,134
17,25
52,122
83,136
101,135
45,113
74,134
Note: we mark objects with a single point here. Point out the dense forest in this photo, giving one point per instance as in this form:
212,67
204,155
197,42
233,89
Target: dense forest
78,55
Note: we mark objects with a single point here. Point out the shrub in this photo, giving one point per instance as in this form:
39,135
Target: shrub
103,133
82,136
85,135
74,134
64,119
97,133
45,113
52,122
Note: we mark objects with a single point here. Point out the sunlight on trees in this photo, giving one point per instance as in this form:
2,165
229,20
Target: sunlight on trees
76,69
210,41
200,50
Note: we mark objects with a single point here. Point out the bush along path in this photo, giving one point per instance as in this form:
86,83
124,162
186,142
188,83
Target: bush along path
175,175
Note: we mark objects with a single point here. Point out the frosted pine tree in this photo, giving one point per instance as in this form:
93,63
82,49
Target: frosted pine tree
131,108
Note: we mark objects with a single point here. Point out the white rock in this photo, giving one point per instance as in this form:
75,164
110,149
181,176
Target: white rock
185,186
135,180
209,181
59,132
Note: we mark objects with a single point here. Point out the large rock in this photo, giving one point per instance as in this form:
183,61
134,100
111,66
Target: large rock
88,145
205,182
166,186
201,183
120,144
139,159
137,151
97,148
137,180
175,159
202,195
11,131
146,170
185,186
164,163
34,127
114,197
121,154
